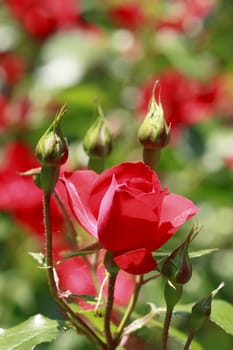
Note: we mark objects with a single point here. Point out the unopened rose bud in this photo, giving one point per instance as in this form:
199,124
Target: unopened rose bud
154,132
52,148
98,141
201,311
177,268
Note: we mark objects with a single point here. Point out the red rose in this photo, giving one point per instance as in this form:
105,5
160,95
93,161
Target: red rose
42,18
12,67
129,16
128,211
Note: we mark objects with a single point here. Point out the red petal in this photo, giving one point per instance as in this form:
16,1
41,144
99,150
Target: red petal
128,223
122,173
176,210
78,186
136,262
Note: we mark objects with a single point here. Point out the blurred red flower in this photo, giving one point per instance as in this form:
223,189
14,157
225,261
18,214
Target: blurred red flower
185,100
128,211
42,18
14,114
128,15
3,105
76,276
12,68
229,162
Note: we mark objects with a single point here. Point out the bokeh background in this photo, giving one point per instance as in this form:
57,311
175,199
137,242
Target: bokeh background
75,52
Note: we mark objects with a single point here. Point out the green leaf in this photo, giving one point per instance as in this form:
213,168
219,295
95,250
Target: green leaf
77,253
95,317
39,257
192,255
25,336
222,315
198,253
88,298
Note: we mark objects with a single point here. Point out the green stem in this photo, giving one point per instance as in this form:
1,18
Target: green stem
96,164
130,308
172,294
76,320
151,278
48,244
189,340
151,157
108,312
166,326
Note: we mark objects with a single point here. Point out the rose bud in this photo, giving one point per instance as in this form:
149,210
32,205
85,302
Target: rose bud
52,152
201,310
98,141
52,148
177,268
154,132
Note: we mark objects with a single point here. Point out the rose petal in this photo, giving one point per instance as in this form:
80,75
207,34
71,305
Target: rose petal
122,172
128,223
136,262
78,186
176,210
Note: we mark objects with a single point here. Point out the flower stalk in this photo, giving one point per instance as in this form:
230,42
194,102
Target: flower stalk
108,312
75,319
172,294
130,307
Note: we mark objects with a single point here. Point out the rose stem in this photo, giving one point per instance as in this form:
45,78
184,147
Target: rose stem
108,312
167,322
151,157
96,164
78,322
130,307
189,340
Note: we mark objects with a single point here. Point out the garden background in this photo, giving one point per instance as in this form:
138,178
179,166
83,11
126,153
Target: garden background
112,51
